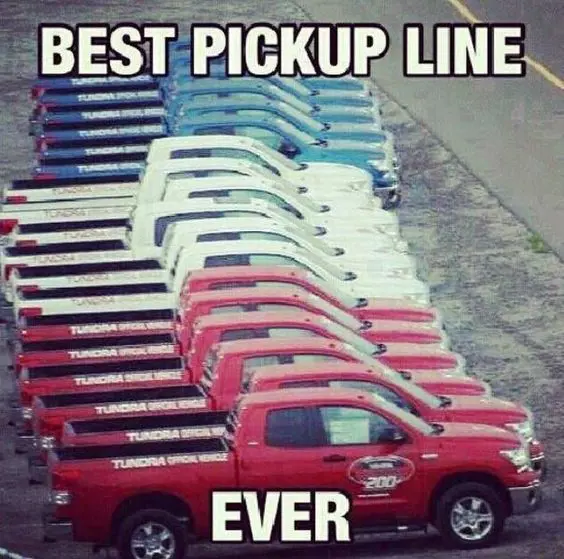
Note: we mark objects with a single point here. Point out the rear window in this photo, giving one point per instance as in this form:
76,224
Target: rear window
292,428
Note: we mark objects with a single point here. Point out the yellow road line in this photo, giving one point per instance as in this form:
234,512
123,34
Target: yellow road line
459,6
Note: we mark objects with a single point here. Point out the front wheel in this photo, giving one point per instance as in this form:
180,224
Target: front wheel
151,534
470,515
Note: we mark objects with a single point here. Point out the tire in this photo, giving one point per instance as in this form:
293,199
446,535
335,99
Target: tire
132,526
471,534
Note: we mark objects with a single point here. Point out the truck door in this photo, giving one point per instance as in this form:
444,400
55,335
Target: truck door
339,448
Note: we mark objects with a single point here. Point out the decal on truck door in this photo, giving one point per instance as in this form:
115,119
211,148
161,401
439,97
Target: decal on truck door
381,474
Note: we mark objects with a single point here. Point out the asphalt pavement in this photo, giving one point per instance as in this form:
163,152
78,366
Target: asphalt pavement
509,132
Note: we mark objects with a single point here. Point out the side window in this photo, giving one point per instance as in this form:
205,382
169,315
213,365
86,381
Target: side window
303,384
348,425
290,333
226,309
293,428
260,361
213,237
315,358
226,260
189,153
246,155
275,260
213,130
209,194
374,388
243,334
267,137
266,307
162,223
265,236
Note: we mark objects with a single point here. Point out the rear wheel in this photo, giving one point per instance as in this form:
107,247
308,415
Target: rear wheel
151,534
470,515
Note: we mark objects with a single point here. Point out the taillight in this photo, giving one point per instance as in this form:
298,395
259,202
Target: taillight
36,91
26,243
28,288
16,199
6,225
9,267
41,176
30,311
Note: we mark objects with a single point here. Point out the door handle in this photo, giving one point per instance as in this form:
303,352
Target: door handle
334,458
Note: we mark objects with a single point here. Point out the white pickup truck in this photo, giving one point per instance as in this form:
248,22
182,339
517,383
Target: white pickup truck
320,178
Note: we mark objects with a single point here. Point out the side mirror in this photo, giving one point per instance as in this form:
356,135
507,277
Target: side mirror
288,149
392,435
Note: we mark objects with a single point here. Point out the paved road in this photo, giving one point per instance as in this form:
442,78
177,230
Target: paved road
509,132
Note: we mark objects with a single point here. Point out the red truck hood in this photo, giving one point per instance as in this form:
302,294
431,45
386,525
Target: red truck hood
450,385
414,357
456,433
483,406
402,332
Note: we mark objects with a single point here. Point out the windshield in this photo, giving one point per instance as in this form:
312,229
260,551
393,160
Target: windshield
405,416
322,264
334,312
349,336
311,123
348,301
290,130
267,153
417,392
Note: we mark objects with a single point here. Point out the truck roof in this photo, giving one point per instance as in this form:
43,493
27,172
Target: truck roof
307,396
277,344
295,372
242,294
259,318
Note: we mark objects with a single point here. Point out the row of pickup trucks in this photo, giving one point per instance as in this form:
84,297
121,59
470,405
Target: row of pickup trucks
199,300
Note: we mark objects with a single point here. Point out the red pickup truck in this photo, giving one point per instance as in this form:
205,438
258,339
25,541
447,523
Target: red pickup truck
231,277
212,329
407,395
235,300
398,472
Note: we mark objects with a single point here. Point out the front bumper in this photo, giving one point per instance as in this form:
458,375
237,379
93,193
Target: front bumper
55,529
525,500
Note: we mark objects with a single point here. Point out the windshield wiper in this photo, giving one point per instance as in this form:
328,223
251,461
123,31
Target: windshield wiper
445,401
437,428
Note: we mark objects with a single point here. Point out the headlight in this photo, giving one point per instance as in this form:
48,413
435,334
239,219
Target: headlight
47,443
519,457
60,498
525,429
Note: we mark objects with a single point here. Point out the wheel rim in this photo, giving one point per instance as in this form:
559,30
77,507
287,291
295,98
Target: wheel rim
152,540
471,518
